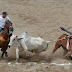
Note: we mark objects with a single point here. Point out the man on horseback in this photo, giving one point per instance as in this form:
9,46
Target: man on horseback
3,20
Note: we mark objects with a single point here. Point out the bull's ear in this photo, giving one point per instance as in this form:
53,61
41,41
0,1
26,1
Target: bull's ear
18,38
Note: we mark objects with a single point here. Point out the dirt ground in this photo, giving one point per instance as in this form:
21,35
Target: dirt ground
39,18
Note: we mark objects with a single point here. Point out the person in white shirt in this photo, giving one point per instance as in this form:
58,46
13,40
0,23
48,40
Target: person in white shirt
3,18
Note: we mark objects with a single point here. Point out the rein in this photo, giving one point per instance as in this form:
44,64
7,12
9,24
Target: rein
6,32
6,29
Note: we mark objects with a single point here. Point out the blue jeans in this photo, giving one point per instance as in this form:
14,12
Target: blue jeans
0,29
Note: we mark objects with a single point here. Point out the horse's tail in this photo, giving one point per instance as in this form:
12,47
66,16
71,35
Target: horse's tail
62,28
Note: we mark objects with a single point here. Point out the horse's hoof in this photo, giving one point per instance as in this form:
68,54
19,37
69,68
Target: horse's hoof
64,57
1,50
2,58
6,58
6,54
71,58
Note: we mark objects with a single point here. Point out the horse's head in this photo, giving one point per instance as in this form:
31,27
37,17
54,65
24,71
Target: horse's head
8,23
9,26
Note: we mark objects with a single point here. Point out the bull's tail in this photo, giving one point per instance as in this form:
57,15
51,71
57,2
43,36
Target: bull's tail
48,41
62,28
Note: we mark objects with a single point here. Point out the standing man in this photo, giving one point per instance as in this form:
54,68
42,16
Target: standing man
3,19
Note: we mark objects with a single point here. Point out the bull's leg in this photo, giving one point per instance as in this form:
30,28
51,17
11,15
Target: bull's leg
17,54
65,52
57,45
25,48
26,51
27,54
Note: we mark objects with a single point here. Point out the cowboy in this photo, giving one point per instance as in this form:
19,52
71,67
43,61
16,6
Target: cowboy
3,19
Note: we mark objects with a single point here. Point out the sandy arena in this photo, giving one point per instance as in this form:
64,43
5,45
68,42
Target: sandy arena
39,18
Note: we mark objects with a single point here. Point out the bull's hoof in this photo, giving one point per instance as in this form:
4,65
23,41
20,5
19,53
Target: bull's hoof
27,55
64,57
17,60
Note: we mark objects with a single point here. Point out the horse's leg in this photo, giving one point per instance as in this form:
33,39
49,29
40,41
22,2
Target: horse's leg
6,54
70,47
2,54
71,52
57,45
65,52
5,51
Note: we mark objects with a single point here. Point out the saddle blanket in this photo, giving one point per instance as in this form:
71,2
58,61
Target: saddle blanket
2,39
67,44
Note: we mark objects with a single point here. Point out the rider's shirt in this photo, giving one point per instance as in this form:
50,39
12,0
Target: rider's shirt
3,20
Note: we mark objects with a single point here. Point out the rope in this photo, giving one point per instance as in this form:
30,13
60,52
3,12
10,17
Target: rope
58,39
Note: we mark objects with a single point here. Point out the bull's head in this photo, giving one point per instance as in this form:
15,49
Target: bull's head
14,40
